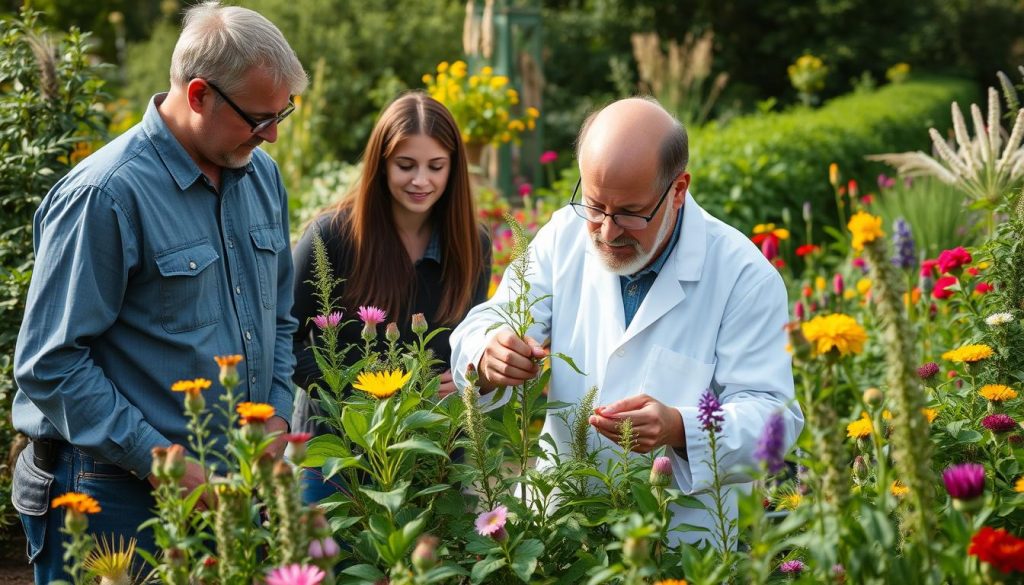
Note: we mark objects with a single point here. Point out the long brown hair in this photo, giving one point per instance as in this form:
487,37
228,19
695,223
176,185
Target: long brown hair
382,273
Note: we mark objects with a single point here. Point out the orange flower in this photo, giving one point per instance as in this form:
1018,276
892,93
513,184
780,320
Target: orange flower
80,503
191,387
226,361
255,412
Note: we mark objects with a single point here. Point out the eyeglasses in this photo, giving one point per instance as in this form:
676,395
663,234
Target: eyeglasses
626,221
256,126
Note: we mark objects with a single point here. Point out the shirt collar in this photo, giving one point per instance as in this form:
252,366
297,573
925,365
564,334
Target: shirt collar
433,251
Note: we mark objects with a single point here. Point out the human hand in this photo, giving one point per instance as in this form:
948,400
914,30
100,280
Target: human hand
278,425
654,424
193,478
447,384
508,360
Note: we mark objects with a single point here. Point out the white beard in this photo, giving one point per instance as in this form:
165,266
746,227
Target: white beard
641,257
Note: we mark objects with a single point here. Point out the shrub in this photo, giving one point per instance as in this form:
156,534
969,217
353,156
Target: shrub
750,170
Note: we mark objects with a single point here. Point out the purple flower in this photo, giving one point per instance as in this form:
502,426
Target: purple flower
295,574
928,370
794,567
492,523
372,315
325,321
770,446
903,244
965,481
710,412
885,182
999,423
661,472
323,548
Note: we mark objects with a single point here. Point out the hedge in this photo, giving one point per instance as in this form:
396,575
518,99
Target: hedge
748,171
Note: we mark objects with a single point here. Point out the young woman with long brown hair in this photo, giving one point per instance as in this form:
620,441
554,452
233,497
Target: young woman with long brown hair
404,239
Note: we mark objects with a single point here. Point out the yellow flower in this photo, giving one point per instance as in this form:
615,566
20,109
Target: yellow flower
863,286
486,71
254,412
381,384
1019,486
499,81
969,353
930,414
112,564
80,503
516,125
532,112
820,283
997,392
849,294
835,332
790,501
191,387
671,582
427,79
442,67
833,174
860,428
898,489
865,228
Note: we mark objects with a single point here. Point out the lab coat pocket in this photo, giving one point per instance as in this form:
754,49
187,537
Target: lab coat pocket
675,379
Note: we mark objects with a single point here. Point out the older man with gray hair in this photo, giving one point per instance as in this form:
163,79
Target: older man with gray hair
163,249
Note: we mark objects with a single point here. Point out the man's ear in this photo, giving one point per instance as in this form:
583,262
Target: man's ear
679,190
197,92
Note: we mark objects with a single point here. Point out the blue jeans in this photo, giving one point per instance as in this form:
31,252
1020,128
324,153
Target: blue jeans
314,488
125,503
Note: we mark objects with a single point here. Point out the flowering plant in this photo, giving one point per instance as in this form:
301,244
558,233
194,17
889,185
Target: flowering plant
482,103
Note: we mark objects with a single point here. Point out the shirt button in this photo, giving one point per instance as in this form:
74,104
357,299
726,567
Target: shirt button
248,335
238,290
253,379
231,243
620,352
192,265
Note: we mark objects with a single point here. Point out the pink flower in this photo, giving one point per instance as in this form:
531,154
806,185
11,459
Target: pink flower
525,189
492,523
770,247
951,261
837,284
372,315
928,266
297,437
295,574
548,157
323,548
983,287
661,472
792,567
942,285
325,321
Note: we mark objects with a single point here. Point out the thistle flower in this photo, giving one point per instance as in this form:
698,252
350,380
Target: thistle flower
999,423
381,385
838,285
327,321
860,469
661,472
794,567
372,315
997,392
969,353
419,324
228,369
548,157
493,523
76,507
770,446
835,332
965,481
174,463
391,332
798,311
194,401
928,370
903,244
295,574
710,412
997,319
424,556
297,442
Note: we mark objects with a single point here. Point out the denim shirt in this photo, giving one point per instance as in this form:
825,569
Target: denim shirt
144,272
635,287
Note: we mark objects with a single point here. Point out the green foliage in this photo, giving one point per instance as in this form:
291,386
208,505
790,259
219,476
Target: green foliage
757,166
47,92
935,212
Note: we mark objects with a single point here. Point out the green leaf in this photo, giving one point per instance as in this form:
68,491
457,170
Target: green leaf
434,489
364,571
524,560
416,445
333,465
485,567
392,500
969,436
444,572
569,361
356,426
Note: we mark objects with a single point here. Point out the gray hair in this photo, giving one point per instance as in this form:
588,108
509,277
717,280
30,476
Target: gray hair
675,147
222,43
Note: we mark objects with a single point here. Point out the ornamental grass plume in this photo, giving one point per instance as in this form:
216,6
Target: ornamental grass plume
580,442
295,574
492,523
909,444
998,548
969,354
381,385
770,450
997,392
836,334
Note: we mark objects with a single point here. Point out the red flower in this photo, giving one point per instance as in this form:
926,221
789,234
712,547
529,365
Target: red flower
779,263
806,291
973,271
807,249
852,186
942,285
998,548
769,246
953,260
928,267
983,287
868,199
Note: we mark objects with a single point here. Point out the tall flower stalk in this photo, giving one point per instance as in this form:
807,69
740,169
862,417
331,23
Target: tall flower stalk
710,417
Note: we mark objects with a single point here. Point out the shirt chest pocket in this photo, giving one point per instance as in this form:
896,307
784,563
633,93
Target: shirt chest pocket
189,287
675,379
267,243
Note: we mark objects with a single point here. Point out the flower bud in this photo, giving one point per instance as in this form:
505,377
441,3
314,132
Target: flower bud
174,467
369,331
424,557
837,285
860,469
419,324
195,404
634,550
391,332
159,462
471,374
873,397
798,311
324,550
661,472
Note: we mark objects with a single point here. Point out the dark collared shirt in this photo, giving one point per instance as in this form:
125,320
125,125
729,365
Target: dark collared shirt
144,272
636,287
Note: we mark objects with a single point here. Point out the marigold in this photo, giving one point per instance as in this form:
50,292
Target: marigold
191,387
81,503
835,331
898,489
865,228
381,384
671,582
997,392
254,412
930,414
969,353
860,428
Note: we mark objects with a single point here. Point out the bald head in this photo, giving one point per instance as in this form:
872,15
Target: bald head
630,139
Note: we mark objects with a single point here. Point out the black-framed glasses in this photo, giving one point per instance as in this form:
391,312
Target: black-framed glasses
256,126
626,221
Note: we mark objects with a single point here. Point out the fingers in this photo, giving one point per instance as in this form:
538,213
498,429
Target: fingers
446,388
509,360
647,432
629,403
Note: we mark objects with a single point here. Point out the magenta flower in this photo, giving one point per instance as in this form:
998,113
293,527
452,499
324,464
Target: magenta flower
548,157
295,574
325,321
965,481
710,412
661,472
928,370
372,315
323,548
794,567
492,523
771,446
838,285
999,423
951,261
525,189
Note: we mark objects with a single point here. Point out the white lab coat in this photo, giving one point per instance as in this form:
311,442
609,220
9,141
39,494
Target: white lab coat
713,318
